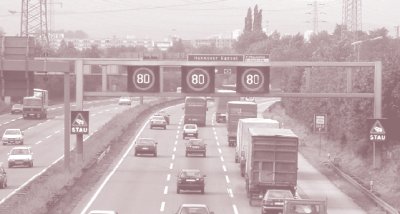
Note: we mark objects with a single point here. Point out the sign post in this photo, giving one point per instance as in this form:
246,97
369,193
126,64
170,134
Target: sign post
320,126
79,126
377,134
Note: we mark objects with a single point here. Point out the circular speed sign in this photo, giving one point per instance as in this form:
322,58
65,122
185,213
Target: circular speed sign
252,80
198,79
143,79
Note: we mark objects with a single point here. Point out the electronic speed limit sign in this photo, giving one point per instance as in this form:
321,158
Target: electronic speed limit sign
198,79
143,79
252,80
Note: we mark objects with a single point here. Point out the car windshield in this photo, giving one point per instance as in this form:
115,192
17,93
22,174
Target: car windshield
190,126
190,173
20,152
194,210
12,132
145,141
280,194
17,106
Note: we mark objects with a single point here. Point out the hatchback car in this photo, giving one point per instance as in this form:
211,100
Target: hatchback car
16,108
158,121
165,115
124,101
13,136
21,155
194,209
190,179
274,199
196,146
190,130
3,177
146,146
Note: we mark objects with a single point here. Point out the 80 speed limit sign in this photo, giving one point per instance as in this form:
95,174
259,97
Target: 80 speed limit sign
252,80
198,79
143,79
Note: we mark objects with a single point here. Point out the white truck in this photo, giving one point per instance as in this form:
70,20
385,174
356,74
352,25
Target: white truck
243,136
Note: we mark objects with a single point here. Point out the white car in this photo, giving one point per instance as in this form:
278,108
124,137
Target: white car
194,208
13,136
190,130
124,101
21,155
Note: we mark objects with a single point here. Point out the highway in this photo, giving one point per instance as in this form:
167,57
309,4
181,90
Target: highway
147,184
46,138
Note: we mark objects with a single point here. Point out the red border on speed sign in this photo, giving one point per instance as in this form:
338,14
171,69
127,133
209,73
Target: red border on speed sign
206,79
143,70
244,79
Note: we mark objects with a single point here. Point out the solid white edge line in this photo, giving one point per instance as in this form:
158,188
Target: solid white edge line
113,170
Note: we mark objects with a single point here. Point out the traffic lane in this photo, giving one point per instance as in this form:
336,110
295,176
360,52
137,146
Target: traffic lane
310,181
216,194
139,182
317,186
47,142
9,121
232,172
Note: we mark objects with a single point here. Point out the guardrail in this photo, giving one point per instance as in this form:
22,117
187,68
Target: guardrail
381,203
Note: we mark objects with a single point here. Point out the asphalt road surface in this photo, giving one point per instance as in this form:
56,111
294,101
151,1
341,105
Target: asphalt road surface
147,184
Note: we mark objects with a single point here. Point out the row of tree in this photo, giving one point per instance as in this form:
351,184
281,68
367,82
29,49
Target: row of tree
347,116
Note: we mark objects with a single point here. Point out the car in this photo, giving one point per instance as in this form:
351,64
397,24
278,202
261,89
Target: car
196,146
21,155
13,136
16,108
194,209
190,130
3,177
165,115
103,212
190,179
274,199
146,146
158,121
124,101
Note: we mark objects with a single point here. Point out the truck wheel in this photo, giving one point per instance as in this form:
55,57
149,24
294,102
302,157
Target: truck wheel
236,160
178,190
204,154
186,154
202,190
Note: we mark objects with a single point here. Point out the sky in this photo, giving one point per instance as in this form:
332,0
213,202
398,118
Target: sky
196,19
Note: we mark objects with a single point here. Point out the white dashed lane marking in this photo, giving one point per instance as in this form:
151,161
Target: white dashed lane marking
171,165
162,207
173,156
165,190
235,210
224,168
38,142
222,159
168,177
227,179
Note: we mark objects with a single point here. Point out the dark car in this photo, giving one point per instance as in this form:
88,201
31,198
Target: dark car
190,179
158,121
194,209
274,199
146,146
196,146
16,108
3,177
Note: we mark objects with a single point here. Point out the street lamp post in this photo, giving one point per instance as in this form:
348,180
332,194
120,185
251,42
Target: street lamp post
358,44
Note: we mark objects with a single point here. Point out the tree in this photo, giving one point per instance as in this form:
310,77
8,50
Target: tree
248,22
257,22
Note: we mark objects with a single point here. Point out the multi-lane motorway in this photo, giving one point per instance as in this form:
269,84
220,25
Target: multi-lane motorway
45,137
147,184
